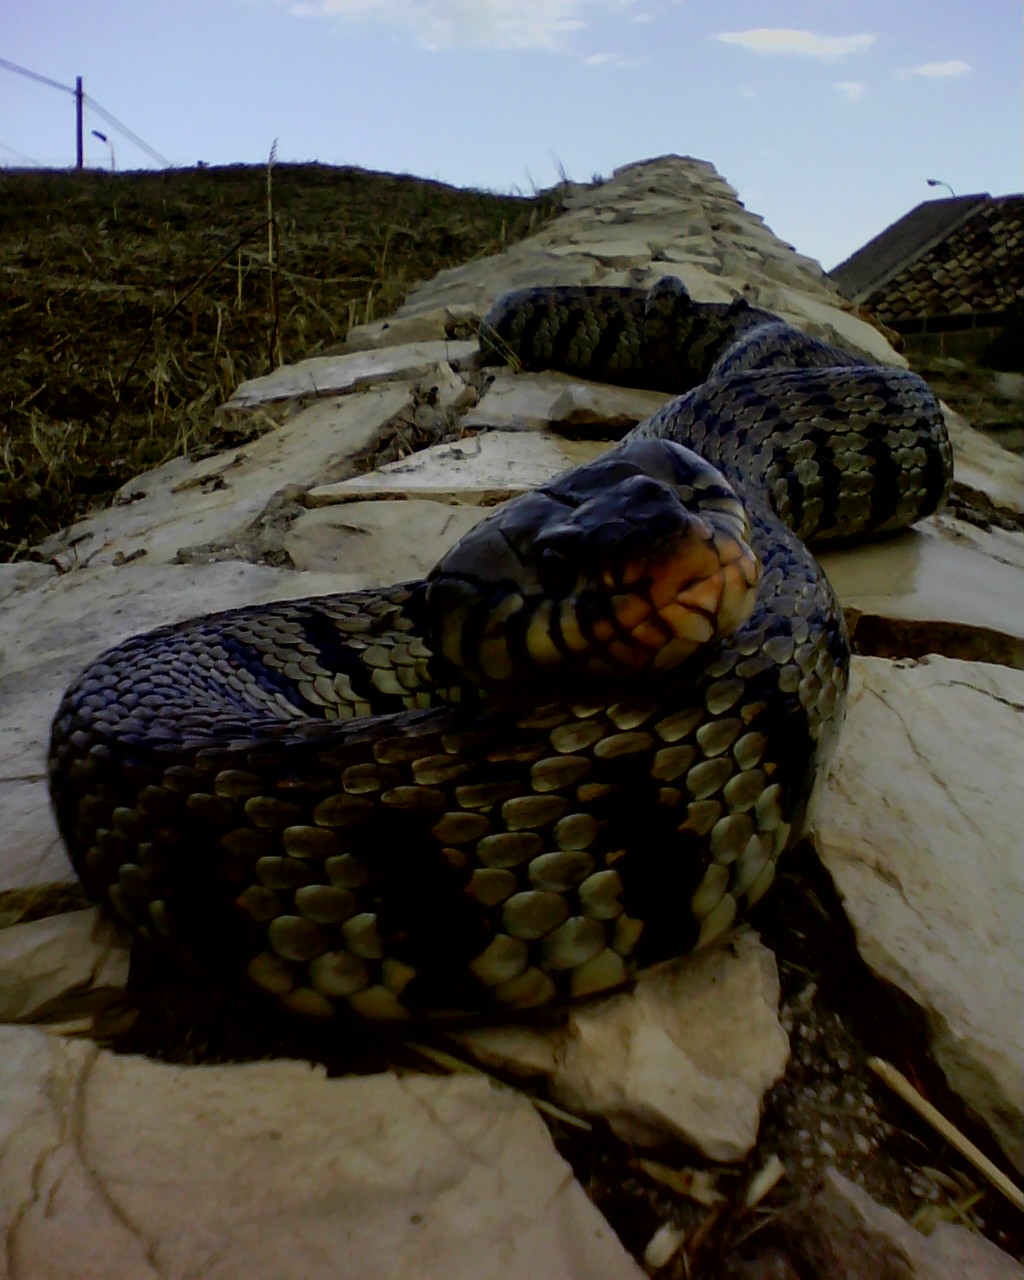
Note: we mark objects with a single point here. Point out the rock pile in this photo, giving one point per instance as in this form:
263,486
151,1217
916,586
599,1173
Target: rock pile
279,1169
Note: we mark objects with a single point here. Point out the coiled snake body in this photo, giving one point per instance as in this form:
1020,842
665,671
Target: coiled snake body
580,747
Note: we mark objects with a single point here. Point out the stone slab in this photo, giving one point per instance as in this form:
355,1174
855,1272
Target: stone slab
22,575
393,332
183,503
687,1055
920,825
58,966
941,570
537,401
386,540
828,319
477,284
983,464
334,375
622,254
518,401
32,853
485,468
114,1167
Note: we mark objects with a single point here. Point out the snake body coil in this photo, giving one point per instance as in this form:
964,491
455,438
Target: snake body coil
549,764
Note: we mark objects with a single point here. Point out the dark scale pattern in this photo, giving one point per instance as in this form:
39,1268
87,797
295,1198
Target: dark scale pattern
420,800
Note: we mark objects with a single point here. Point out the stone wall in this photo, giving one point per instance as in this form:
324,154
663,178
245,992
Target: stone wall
276,1167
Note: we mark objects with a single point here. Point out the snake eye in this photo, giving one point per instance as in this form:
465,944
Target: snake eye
556,573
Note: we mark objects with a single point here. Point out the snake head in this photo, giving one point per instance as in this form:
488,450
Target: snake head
626,564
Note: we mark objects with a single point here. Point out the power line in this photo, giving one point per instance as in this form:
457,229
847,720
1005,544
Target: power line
123,128
94,106
20,154
34,75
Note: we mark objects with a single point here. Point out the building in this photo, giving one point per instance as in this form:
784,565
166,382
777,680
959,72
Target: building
948,277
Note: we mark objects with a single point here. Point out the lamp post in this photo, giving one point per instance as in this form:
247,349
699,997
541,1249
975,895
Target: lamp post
937,182
103,138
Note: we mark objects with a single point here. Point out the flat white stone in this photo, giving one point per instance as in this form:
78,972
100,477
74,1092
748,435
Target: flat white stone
477,284
58,966
687,1054
621,254
334,375
394,332
32,852
536,401
826,318
184,504
22,575
114,1167
383,541
485,468
598,409
519,401
983,464
941,570
920,825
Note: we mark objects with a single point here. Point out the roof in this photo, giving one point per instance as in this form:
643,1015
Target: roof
960,256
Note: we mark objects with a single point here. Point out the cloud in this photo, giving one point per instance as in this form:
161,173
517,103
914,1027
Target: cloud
775,40
491,24
613,60
853,89
938,70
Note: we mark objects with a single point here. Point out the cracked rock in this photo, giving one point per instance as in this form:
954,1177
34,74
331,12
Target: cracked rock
115,1167
688,1054
335,375
920,827
61,966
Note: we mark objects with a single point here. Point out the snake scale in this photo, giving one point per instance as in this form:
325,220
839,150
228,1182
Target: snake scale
579,747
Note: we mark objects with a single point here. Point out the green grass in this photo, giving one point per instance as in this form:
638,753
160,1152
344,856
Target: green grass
135,303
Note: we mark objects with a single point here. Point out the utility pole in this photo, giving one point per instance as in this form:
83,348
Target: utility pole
79,122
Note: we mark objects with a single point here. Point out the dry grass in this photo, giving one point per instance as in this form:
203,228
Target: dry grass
135,303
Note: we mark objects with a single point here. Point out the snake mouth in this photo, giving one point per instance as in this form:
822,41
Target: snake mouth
697,590
609,569
649,616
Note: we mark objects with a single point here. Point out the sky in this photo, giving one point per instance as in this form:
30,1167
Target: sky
827,116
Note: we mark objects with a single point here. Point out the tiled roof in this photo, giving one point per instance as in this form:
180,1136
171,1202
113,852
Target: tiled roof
892,249
974,264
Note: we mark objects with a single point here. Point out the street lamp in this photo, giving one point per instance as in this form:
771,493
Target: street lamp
103,138
937,182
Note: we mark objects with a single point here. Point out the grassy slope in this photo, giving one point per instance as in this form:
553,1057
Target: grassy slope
100,379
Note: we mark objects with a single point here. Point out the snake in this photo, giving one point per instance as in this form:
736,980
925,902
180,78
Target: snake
578,748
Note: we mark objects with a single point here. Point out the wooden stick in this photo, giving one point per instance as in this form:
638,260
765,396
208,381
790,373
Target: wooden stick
459,1066
901,1086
